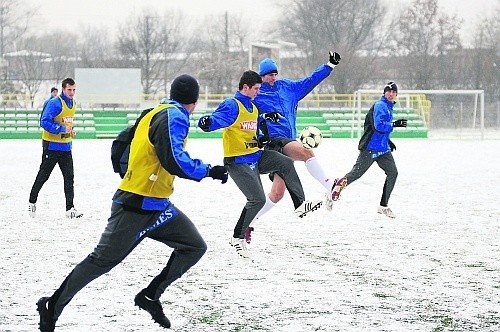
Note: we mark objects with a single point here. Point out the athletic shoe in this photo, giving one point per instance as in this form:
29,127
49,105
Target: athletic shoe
240,246
32,210
248,234
338,186
73,213
308,206
47,322
385,210
329,201
153,307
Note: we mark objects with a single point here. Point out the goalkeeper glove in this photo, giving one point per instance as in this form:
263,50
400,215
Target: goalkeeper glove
218,173
400,123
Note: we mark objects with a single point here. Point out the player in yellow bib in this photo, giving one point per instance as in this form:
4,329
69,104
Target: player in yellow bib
245,159
142,208
57,136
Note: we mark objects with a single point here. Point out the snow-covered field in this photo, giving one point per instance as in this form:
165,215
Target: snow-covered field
436,267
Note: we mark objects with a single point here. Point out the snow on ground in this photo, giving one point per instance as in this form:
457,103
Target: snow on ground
436,267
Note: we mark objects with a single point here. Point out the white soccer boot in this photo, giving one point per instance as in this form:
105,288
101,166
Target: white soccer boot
240,246
73,213
386,211
329,201
32,210
308,206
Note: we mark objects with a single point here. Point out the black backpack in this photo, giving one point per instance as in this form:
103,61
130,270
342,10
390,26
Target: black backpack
120,148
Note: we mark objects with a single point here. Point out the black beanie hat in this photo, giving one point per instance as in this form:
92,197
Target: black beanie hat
185,89
391,86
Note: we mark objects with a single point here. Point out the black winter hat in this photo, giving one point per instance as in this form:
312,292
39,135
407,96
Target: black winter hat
185,89
391,86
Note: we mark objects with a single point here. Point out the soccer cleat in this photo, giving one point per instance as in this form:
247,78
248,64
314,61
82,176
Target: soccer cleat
153,307
328,201
337,188
47,323
73,213
248,234
32,210
385,210
240,246
307,206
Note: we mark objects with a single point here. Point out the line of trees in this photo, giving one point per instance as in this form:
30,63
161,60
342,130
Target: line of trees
420,47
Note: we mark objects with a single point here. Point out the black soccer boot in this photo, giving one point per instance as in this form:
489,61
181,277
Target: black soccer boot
47,322
153,307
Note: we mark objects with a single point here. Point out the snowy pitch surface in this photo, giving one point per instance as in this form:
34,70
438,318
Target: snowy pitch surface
436,267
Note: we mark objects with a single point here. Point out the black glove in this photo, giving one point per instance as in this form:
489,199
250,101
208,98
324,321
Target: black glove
204,123
400,123
272,116
334,58
263,140
218,173
392,146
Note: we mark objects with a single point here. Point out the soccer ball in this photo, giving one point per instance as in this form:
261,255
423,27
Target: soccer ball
310,137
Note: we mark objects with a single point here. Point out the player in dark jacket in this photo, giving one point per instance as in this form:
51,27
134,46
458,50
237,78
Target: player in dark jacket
375,146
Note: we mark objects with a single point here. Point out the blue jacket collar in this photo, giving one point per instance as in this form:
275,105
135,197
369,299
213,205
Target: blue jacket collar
176,104
387,101
68,101
245,100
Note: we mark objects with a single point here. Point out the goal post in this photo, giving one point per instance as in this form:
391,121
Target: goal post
437,109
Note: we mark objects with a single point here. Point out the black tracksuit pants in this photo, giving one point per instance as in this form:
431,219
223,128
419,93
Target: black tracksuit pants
124,231
385,162
49,160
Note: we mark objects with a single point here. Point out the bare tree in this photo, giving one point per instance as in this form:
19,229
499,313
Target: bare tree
95,50
26,66
148,42
350,27
425,36
64,50
221,42
13,25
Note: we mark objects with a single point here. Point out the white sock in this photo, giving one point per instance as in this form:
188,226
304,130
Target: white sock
317,172
268,206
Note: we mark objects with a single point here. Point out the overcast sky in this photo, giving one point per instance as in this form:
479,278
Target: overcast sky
110,13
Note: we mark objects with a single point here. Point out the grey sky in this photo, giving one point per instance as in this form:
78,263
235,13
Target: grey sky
109,13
